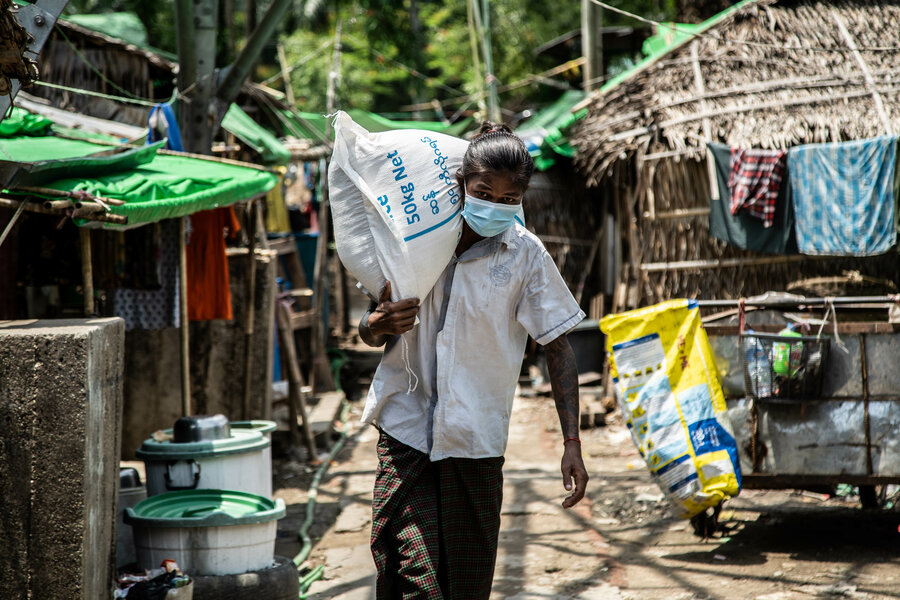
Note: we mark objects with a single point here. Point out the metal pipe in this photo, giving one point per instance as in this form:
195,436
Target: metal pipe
185,324
865,390
796,302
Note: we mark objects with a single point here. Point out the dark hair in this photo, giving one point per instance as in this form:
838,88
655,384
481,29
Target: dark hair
496,148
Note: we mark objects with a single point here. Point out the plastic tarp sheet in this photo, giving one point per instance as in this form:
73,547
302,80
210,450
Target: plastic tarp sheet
546,133
20,122
251,133
153,186
126,26
314,126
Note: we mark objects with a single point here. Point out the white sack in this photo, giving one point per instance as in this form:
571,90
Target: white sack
395,205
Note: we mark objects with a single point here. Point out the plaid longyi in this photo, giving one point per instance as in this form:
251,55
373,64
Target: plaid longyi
435,525
755,180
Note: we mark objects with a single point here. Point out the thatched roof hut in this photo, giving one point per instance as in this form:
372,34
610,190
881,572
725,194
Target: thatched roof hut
77,57
763,74
84,58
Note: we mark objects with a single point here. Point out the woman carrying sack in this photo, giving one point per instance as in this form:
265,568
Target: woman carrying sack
438,490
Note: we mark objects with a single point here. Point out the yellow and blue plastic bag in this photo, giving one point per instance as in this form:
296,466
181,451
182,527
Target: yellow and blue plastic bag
669,392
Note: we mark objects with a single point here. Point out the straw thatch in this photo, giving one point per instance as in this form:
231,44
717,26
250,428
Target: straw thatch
766,74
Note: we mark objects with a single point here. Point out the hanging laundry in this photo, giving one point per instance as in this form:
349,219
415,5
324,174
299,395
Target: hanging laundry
754,181
844,196
277,220
163,124
209,293
157,308
741,229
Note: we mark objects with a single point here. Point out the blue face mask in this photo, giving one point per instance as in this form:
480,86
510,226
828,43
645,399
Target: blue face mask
486,218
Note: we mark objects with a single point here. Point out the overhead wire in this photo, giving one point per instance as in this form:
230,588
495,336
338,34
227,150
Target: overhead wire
97,71
74,90
406,68
299,63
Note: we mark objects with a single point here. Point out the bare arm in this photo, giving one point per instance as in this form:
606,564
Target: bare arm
386,318
564,382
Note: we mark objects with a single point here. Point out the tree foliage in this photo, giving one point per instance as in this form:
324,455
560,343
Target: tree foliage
403,52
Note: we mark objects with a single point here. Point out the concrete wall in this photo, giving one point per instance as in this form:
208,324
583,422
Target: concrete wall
60,410
153,361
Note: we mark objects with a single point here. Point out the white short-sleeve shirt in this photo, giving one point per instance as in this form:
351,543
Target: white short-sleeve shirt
446,388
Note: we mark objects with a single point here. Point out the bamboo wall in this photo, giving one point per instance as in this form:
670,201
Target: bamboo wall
671,184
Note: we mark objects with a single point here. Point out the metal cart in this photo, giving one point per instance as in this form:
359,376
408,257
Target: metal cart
847,432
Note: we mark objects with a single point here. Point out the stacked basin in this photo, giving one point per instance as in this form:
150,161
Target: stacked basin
209,505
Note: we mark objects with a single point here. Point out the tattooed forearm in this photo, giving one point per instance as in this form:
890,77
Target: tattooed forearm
564,382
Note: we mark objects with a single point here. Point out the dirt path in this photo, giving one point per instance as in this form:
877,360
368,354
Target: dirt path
620,542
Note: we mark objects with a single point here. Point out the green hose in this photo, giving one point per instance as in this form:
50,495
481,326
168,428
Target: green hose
307,580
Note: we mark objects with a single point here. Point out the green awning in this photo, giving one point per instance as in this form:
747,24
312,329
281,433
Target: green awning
313,126
254,135
546,133
153,186
125,26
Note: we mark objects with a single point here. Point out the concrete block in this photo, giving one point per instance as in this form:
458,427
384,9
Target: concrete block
60,416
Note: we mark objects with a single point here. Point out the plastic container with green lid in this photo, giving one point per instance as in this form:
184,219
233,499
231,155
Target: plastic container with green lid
241,461
207,532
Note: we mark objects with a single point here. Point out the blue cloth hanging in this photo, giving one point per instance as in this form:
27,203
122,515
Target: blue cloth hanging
844,197
169,124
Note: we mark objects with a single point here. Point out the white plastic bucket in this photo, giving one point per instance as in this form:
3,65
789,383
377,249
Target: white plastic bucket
239,462
207,532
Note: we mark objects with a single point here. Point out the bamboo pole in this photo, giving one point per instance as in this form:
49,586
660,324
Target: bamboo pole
707,124
296,397
33,207
285,75
87,271
249,313
74,197
185,323
870,81
718,263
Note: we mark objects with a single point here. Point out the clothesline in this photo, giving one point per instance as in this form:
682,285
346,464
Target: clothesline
837,199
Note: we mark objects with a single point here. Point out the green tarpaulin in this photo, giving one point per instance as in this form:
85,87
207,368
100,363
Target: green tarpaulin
251,133
313,126
153,186
125,26
21,122
546,133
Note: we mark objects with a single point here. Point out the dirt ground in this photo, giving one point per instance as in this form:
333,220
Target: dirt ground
620,542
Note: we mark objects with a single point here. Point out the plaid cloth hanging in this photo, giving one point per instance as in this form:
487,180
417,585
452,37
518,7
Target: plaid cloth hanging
755,181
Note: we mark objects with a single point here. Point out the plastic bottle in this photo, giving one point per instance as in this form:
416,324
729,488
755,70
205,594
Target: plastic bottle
759,367
787,356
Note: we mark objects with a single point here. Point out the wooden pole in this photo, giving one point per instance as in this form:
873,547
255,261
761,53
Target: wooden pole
249,312
333,77
320,372
34,207
867,73
185,323
592,44
476,62
707,124
285,75
296,397
87,271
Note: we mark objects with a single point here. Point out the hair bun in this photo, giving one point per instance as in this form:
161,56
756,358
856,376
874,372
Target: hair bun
488,127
